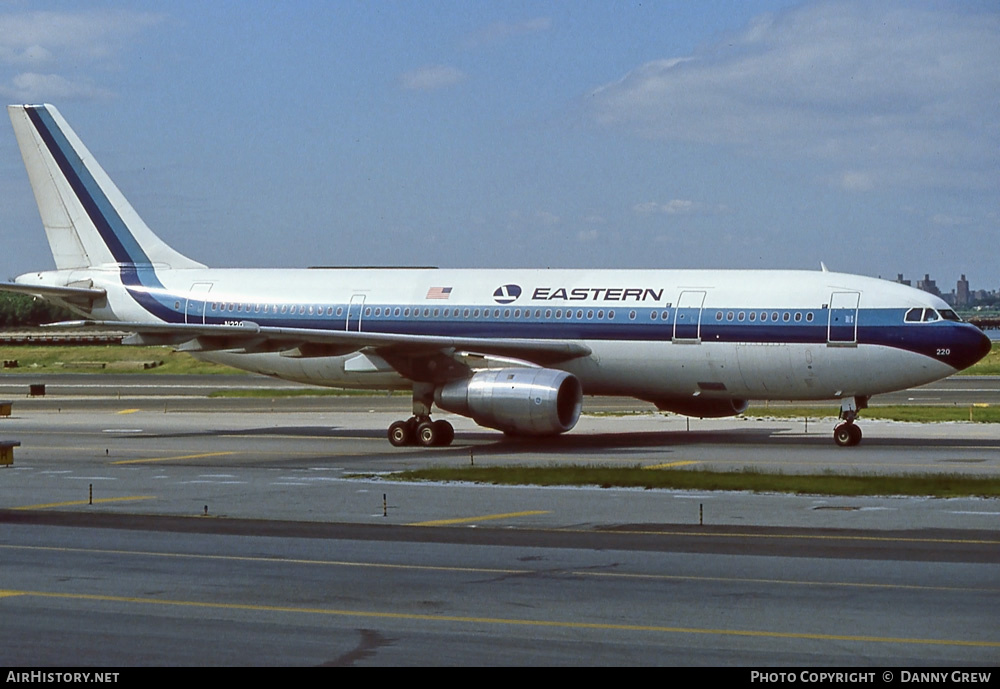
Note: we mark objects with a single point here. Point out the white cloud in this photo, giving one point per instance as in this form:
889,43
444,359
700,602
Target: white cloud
49,55
907,92
945,220
502,31
547,219
679,207
29,87
42,37
432,78
855,180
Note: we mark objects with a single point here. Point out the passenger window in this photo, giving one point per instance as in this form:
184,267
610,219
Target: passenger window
631,315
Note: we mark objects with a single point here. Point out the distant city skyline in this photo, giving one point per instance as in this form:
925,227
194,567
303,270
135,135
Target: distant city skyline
961,296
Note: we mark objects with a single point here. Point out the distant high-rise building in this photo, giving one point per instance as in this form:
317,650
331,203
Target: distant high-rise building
900,280
928,285
962,292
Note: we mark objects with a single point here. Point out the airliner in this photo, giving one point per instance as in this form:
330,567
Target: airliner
515,350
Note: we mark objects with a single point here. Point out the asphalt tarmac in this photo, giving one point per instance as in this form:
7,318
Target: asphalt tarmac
152,528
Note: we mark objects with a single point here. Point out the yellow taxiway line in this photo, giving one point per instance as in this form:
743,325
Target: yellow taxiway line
72,503
480,518
371,614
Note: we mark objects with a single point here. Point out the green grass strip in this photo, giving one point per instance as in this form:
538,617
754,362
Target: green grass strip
270,393
989,366
899,412
830,483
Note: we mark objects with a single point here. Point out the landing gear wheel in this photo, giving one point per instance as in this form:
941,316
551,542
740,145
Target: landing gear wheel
847,435
428,434
445,431
855,434
401,433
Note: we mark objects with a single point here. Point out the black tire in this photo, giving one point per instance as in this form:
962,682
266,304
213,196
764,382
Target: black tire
427,434
855,434
843,435
400,434
445,431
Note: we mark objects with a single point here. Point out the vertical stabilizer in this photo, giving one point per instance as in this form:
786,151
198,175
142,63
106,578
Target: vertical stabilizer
87,219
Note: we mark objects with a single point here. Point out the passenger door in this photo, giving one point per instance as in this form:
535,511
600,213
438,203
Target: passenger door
842,328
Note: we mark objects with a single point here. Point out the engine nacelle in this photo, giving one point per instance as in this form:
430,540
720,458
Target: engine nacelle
703,408
519,401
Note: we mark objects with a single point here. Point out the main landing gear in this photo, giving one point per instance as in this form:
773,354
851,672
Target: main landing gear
419,429
848,434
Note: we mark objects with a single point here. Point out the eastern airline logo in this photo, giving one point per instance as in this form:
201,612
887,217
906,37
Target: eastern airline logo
505,294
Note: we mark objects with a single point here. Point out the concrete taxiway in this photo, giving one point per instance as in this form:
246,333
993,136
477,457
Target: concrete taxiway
159,528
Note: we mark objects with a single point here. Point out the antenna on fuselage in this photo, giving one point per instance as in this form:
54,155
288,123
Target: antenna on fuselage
822,266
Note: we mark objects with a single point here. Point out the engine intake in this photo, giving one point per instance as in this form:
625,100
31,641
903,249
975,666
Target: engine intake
519,401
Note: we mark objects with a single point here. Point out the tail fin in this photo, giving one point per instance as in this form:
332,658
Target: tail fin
87,219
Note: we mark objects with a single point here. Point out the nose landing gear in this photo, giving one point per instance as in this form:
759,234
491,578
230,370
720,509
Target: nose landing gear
848,434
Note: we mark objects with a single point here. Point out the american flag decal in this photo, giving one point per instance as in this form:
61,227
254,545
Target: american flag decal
438,293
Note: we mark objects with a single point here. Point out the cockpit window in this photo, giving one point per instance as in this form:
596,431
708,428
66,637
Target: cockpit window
914,315
930,315
950,315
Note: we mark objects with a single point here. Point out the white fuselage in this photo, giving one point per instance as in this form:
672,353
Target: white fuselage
652,333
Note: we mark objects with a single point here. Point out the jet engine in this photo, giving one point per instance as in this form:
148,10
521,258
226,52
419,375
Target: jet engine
518,401
703,408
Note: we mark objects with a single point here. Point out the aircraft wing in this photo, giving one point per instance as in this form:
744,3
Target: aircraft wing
404,352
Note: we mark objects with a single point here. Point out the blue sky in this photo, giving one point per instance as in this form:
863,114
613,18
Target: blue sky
528,134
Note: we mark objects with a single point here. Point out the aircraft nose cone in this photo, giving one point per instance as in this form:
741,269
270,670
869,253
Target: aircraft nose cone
971,346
